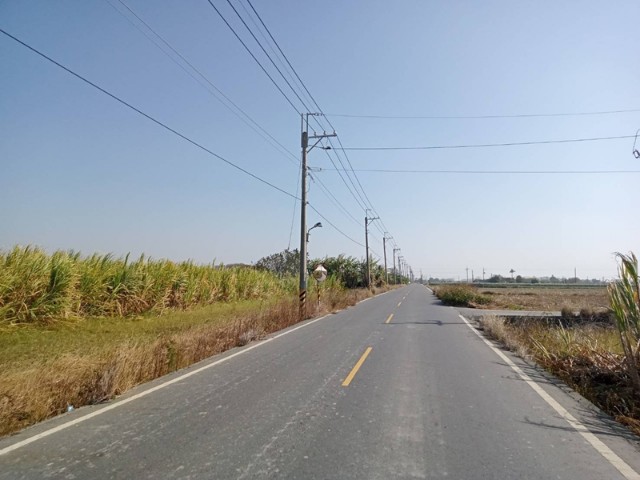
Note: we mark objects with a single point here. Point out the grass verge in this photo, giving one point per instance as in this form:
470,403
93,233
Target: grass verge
43,369
588,357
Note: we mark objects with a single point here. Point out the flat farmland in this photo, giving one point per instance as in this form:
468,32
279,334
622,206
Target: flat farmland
547,298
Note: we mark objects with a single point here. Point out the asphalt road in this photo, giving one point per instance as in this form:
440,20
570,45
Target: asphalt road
358,394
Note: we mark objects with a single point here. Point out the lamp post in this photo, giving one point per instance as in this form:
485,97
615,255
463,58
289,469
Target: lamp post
317,225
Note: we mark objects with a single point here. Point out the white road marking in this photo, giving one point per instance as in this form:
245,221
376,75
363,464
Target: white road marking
120,403
606,452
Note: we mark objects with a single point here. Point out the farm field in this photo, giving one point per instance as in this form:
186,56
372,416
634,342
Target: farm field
589,300
546,298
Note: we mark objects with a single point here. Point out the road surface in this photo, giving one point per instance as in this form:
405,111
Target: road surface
395,387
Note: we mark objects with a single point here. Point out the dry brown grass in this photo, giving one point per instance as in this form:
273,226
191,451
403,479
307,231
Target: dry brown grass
588,357
547,299
45,370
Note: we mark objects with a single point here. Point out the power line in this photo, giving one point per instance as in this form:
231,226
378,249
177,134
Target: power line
490,172
266,41
284,56
463,117
336,228
356,177
149,117
483,145
265,134
266,53
264,70
253,56
295,204
365,200
319,109
262,132
361,201
333,198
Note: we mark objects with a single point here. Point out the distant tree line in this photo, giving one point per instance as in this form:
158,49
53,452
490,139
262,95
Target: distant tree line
349,271
527,280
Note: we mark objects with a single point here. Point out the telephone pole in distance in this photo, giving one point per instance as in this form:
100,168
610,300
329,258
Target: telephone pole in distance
367,221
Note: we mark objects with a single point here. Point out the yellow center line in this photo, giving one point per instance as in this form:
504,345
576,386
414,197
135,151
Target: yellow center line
357,366
389,319
399,303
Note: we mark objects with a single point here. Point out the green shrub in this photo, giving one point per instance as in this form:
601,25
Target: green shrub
624,296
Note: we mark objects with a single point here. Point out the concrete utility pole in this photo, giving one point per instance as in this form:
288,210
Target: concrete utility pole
384,250
395,272
367,221
304,118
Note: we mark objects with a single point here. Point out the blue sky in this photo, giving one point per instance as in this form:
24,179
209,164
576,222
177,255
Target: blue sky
80,171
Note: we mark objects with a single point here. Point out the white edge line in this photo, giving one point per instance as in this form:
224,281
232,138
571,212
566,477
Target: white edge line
119,403
595,442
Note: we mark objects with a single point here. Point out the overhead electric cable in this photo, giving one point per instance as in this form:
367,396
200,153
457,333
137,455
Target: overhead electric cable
273,81
333,198
267,42
462,117
312,99
254,57
490,172
295,205
267,54
336,228
365,200
265,134
283,54
363,207
483,145
149,117
356,176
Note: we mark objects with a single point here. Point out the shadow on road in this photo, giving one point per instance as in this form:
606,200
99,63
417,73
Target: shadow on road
438,323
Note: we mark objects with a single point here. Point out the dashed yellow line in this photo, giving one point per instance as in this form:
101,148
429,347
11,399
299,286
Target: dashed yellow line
399,303
357,366
389,319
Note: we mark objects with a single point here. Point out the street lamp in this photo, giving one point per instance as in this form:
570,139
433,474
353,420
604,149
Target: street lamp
317,225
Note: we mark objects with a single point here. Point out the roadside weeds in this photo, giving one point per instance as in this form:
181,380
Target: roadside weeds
587,357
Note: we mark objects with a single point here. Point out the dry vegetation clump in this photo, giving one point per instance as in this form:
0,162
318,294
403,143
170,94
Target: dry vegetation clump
90,361
461,295
588,357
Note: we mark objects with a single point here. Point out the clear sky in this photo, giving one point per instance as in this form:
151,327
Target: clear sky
80,171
